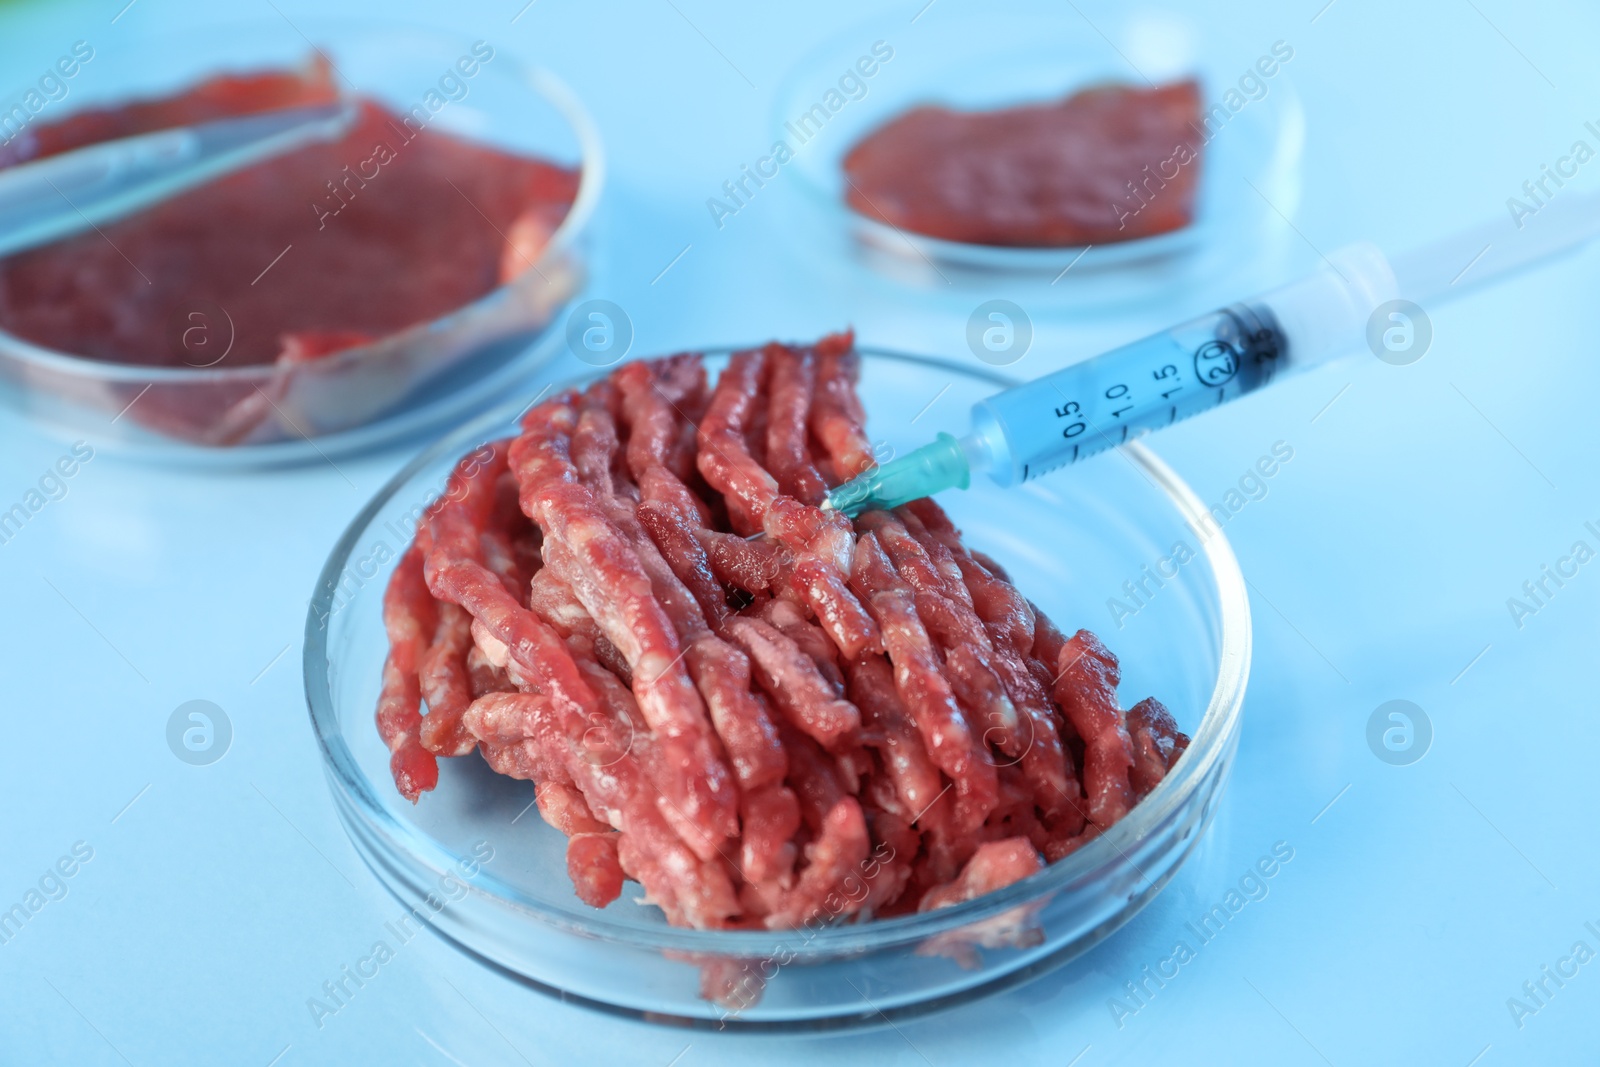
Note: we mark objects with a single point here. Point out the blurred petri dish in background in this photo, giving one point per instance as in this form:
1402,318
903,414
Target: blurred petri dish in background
422,376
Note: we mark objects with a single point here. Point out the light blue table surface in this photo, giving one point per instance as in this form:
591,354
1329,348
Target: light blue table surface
1419,899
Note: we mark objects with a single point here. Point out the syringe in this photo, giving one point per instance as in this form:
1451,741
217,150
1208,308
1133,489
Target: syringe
1071,414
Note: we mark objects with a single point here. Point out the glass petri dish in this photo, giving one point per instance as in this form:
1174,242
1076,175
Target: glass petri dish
1028,51
486,871
426,375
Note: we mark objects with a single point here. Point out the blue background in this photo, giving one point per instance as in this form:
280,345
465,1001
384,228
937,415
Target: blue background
1381,561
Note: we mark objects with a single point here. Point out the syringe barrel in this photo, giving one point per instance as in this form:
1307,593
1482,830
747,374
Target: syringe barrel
1094,405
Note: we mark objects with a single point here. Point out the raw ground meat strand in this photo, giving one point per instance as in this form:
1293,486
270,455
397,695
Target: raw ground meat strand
594,447
991,566
1047,644
500,557
720,672
447,684
596,452
698,794
755,431
888,869
1157,744
819,542
808,531
724,458
850,674
552,599
1005,613
838,846
456,524
845,620
652,423
504,724
564,807
836,855
594,868
1045,759
615,790
816,779
690,891
554,602
510,541
790,678
674,537
890,728
958,633
945,731
522,739
484,675
661,404
820,546
788,457
514,637
837,418
974,683
659,485
789,620
748,565
408,614
456,521
769,818
994,865
1087,693
620,730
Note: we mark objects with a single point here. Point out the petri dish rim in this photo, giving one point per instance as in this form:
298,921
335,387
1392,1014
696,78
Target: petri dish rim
1211,743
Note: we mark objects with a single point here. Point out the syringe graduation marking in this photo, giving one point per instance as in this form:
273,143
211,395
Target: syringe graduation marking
1229,352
